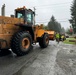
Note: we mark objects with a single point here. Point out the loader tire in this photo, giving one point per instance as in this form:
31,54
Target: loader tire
44,41
21,43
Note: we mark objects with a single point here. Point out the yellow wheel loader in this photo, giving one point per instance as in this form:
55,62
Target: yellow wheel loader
19,33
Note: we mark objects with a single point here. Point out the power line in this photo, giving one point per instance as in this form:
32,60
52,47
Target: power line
48,21
63,21
42,21
53,4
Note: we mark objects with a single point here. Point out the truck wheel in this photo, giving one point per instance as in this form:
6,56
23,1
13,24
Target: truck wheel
21,43
44,41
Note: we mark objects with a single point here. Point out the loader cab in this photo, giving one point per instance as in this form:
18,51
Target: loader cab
26,14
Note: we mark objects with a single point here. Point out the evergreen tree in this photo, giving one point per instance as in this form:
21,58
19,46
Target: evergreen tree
51,24
63,30
73,16
45,27
54,25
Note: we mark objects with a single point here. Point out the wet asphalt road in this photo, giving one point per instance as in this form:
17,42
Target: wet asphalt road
66,60
56,59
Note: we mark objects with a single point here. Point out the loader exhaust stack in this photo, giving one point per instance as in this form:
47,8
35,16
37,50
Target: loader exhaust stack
3,10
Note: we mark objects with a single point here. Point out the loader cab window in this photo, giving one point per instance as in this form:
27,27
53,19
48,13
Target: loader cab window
29,17
20,14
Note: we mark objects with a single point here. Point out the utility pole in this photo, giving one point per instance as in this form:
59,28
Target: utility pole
34,14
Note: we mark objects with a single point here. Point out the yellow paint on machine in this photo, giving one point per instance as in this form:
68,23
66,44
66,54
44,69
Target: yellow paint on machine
40,32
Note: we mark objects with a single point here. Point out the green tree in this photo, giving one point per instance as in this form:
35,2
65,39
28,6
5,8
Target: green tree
45,27
54,25
51,24
73,16
68,31
63,30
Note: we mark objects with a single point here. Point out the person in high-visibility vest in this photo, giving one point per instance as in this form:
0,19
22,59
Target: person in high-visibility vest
57,37
62,37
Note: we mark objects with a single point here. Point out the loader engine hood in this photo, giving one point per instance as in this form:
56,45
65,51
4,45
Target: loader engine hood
10,20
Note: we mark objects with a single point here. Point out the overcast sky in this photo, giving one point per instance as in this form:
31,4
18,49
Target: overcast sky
60,9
